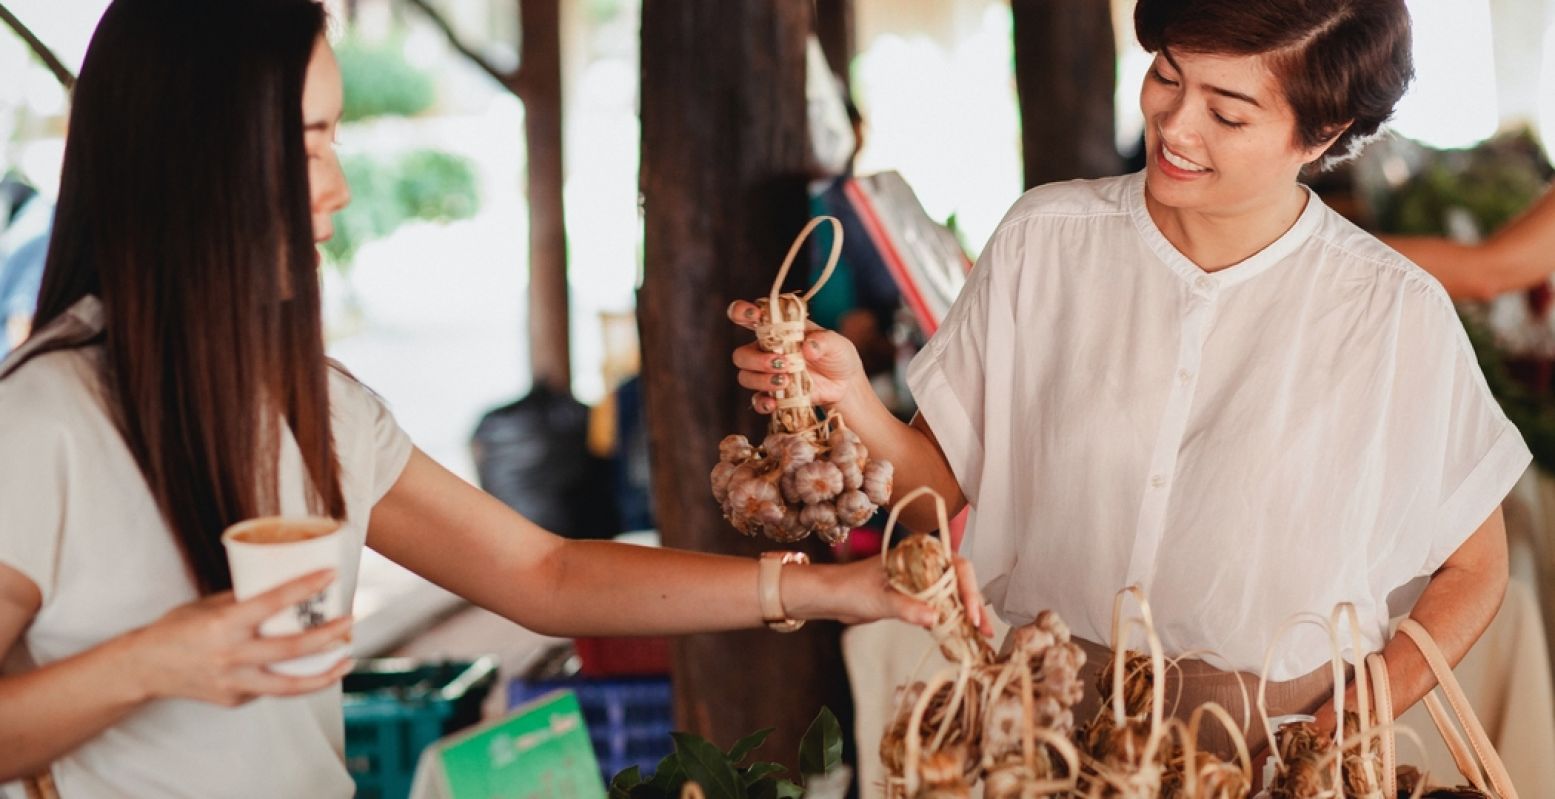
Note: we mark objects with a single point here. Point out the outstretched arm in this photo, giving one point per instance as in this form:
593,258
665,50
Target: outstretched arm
461,538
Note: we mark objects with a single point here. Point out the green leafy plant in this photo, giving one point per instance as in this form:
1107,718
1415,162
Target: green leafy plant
721,775
380,82
425,184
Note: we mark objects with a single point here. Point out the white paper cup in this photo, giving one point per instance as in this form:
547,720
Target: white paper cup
271,550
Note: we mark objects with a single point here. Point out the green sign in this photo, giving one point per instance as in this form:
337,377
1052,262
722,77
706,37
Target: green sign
539,751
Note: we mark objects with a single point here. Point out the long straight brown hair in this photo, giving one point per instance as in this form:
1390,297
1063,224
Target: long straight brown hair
184,208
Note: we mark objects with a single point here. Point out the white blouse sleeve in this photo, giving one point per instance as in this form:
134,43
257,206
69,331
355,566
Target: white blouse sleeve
371,424
958,372
34,472
1481,454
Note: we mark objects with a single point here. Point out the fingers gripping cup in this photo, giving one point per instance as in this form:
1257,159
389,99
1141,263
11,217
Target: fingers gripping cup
272,550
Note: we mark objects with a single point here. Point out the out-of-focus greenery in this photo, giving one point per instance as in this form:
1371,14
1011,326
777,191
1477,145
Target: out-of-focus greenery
379,82
437,186
424,184
1494,182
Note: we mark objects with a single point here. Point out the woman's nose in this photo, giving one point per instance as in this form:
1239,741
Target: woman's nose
337,193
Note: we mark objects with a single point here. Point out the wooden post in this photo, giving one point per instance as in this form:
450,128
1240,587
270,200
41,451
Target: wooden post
1065,73
540,87
723,156
834,27
538,84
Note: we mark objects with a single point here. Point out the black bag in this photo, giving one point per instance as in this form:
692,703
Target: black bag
533,455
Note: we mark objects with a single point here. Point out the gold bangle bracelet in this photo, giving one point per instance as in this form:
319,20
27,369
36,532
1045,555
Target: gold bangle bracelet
769,592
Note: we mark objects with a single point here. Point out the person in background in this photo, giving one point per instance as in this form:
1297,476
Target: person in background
861,298
175,383
1200,380
1521,255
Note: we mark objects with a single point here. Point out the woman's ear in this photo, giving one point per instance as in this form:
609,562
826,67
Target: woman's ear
1320,149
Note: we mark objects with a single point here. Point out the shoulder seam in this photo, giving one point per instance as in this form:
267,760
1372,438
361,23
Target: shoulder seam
1399,265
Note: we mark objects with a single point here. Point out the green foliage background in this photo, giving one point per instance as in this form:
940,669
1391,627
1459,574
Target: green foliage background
1493,182
386,192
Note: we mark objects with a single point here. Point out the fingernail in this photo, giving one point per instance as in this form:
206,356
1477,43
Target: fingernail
777,363
750,313
778,380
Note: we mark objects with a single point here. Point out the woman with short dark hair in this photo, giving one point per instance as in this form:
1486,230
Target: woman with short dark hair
176,384
1200,380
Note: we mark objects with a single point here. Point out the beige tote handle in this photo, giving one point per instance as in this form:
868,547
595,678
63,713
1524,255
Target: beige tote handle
1382,696
1482,748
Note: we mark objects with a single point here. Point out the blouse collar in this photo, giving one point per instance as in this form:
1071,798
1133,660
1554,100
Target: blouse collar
1254,265
78,325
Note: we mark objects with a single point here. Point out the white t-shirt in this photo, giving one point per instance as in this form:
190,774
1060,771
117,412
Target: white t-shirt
1305,428
77,519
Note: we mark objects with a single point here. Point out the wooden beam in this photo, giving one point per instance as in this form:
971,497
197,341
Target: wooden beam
61,72
723,159
1065,74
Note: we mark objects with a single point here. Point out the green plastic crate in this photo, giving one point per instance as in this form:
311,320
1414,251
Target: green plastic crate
396,707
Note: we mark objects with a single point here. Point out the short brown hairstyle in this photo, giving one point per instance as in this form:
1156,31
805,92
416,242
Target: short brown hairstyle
1337,61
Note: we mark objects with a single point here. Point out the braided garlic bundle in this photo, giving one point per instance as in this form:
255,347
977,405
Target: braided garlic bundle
1131,750
1004,720
1026,751
809,475
1309,765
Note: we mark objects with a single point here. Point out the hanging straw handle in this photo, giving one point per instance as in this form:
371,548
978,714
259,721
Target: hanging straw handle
939,511
793,252
1483,748
1119,652
914,744
1191,742
1263,679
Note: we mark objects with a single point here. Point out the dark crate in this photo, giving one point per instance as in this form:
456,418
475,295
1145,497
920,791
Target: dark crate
396,707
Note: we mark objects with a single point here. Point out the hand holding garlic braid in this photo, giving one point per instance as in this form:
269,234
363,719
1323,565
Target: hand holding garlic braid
809,475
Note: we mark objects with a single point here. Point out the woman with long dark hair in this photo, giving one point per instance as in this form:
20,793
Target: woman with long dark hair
1200,380
176,384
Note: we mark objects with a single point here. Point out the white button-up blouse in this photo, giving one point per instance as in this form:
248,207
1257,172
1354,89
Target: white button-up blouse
1307,427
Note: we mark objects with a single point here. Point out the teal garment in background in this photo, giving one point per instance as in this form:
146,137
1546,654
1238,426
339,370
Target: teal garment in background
838,296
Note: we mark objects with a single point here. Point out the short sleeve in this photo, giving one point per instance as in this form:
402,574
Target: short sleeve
34,470
952,378
380,446
1481,454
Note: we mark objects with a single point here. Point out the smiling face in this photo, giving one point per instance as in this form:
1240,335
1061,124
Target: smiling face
322,97
1220,136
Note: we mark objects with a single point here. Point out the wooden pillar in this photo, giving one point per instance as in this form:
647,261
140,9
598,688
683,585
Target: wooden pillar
540,88
834,27
723,156
1065,74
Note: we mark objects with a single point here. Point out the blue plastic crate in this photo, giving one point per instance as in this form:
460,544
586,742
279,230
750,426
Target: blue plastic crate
396,707
629,718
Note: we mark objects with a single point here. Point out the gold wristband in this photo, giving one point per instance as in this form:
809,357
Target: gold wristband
768,589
